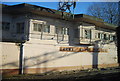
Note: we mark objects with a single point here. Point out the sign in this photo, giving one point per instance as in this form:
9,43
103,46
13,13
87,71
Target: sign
82,49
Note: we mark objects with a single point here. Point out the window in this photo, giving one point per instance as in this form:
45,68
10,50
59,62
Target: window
5,26
37,27
88,34
65,31
20,28
114,38
99,35
59,30
104,36
47,28
111,37
62,30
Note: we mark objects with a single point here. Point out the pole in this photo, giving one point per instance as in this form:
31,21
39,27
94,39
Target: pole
21,62
42,29
73,13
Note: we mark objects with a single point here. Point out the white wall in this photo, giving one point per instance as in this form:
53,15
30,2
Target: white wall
10,55
46,54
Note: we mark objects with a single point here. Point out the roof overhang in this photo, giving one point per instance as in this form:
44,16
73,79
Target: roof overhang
93,20
33,9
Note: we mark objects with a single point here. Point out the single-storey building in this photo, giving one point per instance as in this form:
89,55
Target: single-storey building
53,43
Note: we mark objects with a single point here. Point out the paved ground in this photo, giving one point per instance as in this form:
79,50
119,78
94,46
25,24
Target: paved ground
108,74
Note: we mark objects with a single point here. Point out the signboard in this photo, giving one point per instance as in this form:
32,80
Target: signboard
82,49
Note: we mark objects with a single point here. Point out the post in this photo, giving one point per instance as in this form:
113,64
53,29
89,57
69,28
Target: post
57,38
21,59
90,35
42,29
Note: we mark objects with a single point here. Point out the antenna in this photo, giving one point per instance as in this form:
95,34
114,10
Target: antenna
65,5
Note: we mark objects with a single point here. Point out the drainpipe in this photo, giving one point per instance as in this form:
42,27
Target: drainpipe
21,62
21,57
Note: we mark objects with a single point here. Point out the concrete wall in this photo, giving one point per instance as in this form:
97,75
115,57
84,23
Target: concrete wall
10,58
44,56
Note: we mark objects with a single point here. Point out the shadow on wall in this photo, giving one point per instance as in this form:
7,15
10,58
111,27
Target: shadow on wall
98,44
43,59
95,55
36,61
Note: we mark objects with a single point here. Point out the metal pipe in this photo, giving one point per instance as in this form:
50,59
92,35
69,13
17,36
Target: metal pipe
21,58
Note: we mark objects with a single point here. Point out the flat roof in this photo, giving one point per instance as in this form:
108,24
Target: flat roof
38,10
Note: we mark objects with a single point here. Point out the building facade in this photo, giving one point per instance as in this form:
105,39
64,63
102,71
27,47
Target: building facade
54,43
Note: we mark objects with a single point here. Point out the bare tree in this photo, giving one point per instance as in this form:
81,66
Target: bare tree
108,11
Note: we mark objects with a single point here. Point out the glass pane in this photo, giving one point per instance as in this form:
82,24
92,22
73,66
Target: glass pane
99,36
87,34
47,28
39,27
65,31
105,36
35,26
62,30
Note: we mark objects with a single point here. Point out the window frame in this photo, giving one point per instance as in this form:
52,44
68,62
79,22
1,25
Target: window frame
89,35
63,30
46,28
4,27
38,27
